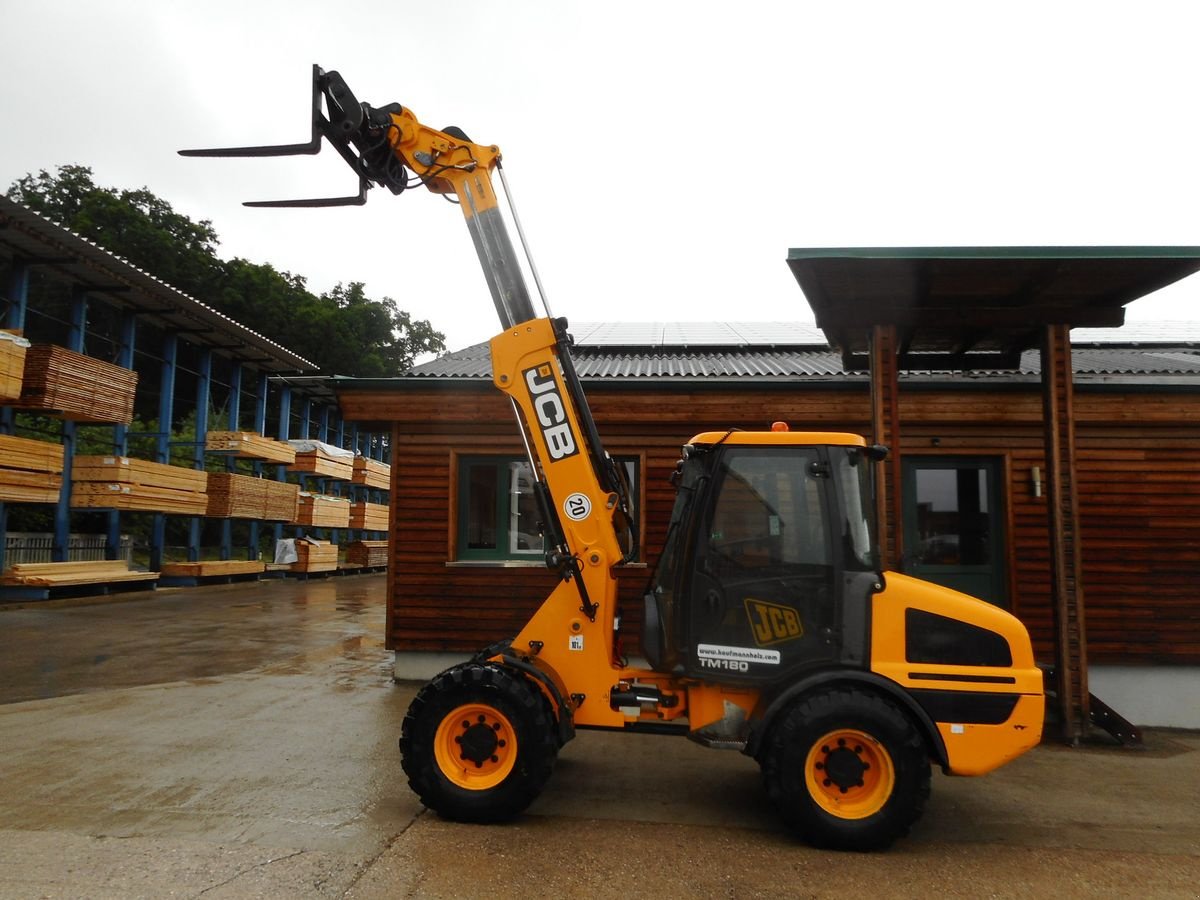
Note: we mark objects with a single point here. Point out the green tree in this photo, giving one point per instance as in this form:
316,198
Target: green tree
343,331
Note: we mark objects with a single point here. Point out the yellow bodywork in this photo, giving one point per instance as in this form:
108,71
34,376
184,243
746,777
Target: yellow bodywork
971,749
577,651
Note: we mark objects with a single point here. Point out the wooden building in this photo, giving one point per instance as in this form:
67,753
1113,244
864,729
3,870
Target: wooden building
467,570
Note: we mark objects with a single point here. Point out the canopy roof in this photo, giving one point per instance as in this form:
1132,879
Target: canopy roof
26,236
975,307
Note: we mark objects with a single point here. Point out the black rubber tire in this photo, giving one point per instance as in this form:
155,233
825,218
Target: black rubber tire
509,694
800,729
491,650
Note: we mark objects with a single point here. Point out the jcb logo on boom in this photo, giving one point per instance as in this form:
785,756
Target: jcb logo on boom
551,412
773,624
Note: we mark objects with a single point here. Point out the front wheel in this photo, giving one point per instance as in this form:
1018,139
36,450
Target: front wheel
478,743
846,769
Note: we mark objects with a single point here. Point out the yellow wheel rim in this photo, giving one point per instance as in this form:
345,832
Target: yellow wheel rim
475,747
849,774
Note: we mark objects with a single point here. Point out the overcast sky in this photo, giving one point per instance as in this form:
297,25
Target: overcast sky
663,155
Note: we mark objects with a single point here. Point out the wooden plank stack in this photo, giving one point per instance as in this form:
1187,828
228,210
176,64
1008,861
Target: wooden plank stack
372,473
118,482
323,460
76,387
12,364
30,471
213,568
249,445
369,516
59,574
322,511
315,556
233,496
367,553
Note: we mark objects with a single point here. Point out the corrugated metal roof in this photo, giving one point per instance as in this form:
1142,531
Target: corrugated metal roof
596,358
698,334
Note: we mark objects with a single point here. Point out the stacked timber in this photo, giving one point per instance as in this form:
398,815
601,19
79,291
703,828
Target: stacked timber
30,471
315,556
60,574
12,364
118,482
322,511
369,516
372,473
76,387
213,568
233,496
322,460
367,553
249,445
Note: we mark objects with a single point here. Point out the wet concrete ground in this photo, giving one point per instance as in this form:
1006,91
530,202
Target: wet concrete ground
240,741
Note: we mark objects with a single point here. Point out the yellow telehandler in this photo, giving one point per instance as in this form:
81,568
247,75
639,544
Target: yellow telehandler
769,627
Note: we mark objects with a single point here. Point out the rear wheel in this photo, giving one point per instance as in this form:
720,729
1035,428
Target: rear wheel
478,743
846,769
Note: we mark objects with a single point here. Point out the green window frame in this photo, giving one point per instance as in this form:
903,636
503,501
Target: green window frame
497,510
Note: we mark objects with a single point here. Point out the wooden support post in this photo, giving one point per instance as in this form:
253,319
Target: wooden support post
885,429
1062,500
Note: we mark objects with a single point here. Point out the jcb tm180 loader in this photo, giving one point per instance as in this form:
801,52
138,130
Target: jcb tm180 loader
769,627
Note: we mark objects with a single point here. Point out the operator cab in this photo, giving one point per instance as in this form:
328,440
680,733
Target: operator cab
769,558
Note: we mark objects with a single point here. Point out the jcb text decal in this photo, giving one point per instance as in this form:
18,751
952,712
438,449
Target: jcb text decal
551,412
773,624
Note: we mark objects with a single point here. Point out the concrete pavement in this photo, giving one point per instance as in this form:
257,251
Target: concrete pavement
240,741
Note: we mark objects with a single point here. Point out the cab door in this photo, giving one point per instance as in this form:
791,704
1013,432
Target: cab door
762,596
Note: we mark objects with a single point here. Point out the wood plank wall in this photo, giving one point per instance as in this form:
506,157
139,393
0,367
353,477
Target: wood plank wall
1139,480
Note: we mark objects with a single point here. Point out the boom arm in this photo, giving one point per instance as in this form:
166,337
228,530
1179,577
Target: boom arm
388,146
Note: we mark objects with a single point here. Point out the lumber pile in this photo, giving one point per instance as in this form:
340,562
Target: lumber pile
12,364
323,460
322,511
315,556
233,496
367,553
249,445
118,482
59,574
372,473
76,387
213,568
30,471
369,516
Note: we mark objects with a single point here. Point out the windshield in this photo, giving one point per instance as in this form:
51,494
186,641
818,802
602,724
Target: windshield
852,472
